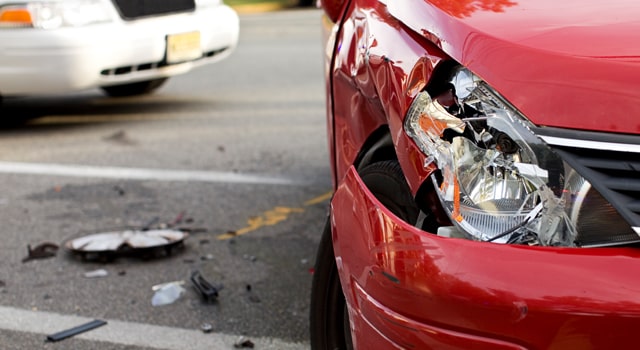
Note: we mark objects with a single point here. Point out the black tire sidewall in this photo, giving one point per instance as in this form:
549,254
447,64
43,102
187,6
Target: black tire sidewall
329,324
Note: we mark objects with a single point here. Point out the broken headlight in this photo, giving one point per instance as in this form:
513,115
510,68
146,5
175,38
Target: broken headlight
497,180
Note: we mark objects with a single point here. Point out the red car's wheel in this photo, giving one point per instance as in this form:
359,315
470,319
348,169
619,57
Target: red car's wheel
386,182
329,317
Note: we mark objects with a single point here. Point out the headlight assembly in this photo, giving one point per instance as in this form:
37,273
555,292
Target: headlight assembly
54,14
498,181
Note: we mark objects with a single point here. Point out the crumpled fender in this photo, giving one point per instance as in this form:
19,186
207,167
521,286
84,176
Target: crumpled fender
418,285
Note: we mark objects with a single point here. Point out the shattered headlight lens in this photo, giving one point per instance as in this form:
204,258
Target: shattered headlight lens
498,181
55,14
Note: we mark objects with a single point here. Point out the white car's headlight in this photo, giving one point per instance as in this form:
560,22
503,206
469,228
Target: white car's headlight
498,181
55,14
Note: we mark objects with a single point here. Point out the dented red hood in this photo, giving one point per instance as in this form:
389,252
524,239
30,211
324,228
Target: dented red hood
573,64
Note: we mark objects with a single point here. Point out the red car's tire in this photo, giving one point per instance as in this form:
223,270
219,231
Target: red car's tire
329,317
387,183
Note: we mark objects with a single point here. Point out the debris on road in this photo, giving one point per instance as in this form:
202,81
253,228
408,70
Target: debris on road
244,344
207,290
96,273
162,285
120,137
76,330
206,328
127,242
192,229
178,219
167,293
41,251
150,224
251,258
252,297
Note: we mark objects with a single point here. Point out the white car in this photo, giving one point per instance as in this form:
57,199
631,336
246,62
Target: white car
124,47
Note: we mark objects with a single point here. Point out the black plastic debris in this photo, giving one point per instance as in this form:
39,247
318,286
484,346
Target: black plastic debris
252,297
150,224
76,330
245,344
192,229
207,290
41,251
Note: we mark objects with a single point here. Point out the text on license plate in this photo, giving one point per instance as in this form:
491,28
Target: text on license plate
183,47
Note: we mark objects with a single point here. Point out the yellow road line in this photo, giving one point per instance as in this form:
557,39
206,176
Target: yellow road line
272,217
321,198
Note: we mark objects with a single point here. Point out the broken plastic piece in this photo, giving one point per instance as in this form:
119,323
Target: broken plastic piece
177,220
112,241
96,273
106,246
150,224
208,291
206,327
41,251
157,287
167,294
244,344
76,330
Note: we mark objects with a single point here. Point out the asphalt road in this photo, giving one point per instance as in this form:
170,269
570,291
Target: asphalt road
237,149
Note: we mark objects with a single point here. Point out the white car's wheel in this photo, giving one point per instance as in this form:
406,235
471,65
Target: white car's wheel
132,89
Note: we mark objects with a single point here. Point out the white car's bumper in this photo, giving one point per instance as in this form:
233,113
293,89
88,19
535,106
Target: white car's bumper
42,61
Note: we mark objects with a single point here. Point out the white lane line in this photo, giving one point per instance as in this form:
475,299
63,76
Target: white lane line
130,333
138,173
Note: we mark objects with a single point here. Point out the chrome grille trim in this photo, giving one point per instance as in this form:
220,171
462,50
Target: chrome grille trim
613,168
588,144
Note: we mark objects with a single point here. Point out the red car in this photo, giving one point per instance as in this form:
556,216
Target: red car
486,167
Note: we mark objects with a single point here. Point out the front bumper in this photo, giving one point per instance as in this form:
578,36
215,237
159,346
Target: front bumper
407,288
37,61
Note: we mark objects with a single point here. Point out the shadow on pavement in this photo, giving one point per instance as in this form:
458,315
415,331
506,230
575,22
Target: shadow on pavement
25,112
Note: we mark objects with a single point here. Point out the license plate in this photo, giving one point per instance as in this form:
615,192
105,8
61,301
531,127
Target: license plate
183,47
